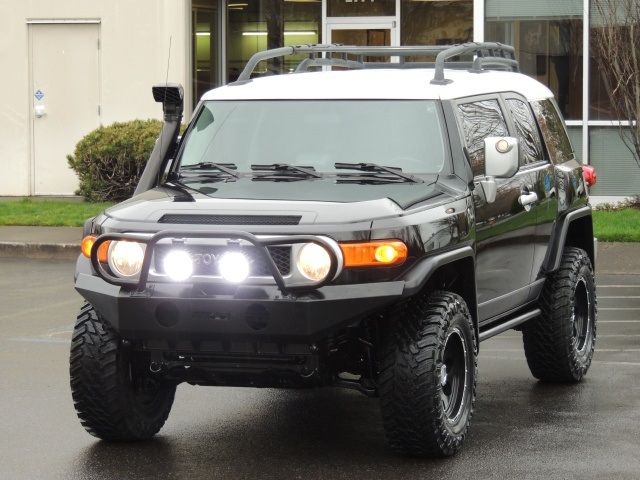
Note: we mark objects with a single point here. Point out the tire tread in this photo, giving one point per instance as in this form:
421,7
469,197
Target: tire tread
547,339
96,388
408,377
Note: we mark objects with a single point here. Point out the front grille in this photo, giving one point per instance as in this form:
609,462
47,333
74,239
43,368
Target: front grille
231,219
205,259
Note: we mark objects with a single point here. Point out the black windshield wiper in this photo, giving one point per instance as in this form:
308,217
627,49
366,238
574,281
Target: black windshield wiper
374,168
369,179
228,168
286,168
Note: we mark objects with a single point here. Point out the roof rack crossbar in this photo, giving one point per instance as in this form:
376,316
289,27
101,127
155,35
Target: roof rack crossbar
412,65
503,55
489,55
328,62
480,64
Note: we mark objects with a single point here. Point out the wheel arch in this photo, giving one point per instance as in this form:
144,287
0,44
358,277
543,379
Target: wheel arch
453,271
574,230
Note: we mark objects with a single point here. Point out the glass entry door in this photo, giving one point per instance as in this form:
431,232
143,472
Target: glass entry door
363,34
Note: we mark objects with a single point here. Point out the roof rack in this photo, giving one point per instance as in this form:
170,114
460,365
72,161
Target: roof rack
488,55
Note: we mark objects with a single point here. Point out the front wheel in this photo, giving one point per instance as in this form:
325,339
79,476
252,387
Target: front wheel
559,344
115,395
428,375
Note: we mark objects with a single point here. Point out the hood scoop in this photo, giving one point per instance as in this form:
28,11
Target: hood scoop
186,219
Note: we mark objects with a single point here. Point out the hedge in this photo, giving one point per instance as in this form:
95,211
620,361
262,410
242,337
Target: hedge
110,160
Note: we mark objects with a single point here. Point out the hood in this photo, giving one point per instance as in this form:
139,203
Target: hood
314,201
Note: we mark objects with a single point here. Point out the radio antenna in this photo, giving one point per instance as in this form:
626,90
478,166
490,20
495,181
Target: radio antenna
166,80
166,84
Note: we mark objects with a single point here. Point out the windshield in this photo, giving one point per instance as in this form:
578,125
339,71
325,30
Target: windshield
318,134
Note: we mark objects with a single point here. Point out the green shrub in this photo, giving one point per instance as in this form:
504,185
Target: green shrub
632,202
110,160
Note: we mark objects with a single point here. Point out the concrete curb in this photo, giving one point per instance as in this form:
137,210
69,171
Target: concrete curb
57,251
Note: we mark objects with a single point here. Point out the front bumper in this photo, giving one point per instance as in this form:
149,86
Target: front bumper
196,314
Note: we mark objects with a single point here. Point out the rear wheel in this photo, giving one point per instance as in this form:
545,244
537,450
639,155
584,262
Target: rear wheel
559,345
428,375
115,394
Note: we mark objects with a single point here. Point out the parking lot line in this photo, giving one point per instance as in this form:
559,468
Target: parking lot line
618,308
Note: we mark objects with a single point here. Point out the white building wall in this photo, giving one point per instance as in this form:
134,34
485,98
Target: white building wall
134,35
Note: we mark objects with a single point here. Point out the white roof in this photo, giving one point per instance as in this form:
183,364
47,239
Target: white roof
380,84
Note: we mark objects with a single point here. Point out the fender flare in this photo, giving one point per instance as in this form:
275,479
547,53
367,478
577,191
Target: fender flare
419,274
559,238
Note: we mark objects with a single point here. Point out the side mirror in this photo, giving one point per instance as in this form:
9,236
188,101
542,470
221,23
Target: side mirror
502,158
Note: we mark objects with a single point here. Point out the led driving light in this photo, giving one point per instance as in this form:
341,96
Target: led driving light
314,262
234,267
125,258
178,265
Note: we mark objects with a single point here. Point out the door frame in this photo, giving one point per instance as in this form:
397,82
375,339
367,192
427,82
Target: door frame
362,23
391,22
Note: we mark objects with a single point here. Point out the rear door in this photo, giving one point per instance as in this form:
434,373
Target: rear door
535,162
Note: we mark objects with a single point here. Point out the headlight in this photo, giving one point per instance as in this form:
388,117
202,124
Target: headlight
125,258
178,265
234,267
314,262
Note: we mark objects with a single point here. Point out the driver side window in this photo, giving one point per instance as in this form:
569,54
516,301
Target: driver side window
479,120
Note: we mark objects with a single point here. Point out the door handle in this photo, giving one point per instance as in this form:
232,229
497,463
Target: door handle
526,199
39,111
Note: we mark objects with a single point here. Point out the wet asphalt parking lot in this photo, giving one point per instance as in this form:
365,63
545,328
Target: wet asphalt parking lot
521,428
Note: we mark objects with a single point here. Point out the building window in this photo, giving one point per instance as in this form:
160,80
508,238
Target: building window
616,31
361,8
547,36
436,22
257,25
205,44
618,173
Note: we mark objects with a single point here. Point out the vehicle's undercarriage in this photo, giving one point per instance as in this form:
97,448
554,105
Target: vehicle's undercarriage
347,359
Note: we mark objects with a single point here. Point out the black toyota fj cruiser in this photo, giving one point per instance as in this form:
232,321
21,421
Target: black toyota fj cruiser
355,223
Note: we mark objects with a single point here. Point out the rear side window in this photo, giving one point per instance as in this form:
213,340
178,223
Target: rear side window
480,120
527,131
553,131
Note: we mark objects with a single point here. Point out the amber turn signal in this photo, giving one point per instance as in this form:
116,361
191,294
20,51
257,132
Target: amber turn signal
377,253
87,244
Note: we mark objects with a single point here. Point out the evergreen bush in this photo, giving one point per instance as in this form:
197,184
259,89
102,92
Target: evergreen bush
110,160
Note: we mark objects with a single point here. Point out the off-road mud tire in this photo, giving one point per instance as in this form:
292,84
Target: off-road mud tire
420,418
560,343
112,405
